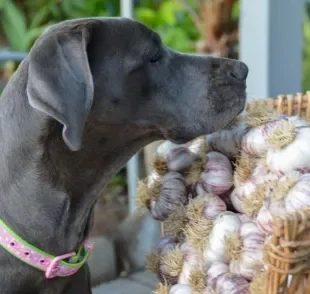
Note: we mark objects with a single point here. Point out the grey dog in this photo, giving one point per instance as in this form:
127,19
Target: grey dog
90,94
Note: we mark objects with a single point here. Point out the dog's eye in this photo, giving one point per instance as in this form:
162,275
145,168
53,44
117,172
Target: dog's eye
156,57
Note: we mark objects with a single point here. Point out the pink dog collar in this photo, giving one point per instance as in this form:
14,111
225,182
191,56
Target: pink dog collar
53,266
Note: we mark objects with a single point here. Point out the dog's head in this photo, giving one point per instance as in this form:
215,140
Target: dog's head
118,72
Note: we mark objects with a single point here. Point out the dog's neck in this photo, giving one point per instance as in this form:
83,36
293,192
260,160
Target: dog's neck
47,193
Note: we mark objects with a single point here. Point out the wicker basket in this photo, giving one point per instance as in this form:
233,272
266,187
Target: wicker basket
289,250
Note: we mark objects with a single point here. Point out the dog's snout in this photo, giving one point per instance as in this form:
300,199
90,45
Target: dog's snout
239,71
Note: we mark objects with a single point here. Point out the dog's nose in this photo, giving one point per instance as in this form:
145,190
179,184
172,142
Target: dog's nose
239,71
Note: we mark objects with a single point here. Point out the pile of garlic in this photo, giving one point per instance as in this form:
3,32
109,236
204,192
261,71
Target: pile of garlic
217,196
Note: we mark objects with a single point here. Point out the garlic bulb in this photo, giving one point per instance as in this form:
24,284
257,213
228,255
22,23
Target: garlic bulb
293,156
180,159
180,289
168,242
241,193
206,205
255,141
232,284
148,190
243,218
214,272
164,148
262,174
218,176
224,225
228,142
177,157
191,260
245,251
299,196
171,264
173,193
265,216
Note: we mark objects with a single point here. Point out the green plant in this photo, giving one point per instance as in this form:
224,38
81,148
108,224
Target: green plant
170,19
14,25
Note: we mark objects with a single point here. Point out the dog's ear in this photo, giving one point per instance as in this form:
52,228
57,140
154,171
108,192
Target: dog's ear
60,82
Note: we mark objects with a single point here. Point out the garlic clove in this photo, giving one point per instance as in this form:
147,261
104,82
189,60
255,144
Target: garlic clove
295,156
214,272
191,260
224,225
166,147
228,142
211,257
241,193
173,194
213,205
180,289
299,196
244,218
261,174
168,241
232,284
236,201
255,141
218,176
250,228
266,214
179,159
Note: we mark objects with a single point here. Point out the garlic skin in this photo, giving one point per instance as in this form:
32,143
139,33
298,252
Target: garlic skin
241,193
232,284
251,258
167,243
296,156
254,142
214,272
178,157
180,289
299,196
227,142
166,147
261,174
214,205
191,259
244,218
218,175
225,224
173,193
268,211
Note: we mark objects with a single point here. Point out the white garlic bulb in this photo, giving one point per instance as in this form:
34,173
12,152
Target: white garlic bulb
249,261
218,175
295,156
180,289
224,225
299,196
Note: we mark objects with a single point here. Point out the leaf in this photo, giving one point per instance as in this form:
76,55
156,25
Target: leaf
176,38
146,15
39,17
14,25
167,12
236,11
2,2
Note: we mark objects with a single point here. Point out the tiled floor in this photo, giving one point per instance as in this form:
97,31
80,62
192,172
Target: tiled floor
138,283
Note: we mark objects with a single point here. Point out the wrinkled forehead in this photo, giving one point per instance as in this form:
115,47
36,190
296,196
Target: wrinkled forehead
112,34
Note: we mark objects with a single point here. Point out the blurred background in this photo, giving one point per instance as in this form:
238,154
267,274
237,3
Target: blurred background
271,36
